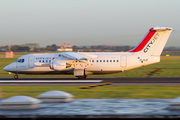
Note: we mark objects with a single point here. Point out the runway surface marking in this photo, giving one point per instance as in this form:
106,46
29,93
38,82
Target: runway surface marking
49,81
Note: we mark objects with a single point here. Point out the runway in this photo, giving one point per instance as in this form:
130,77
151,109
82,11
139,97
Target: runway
109,79
92,80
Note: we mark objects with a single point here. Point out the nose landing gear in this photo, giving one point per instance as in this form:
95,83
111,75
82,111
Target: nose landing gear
16,76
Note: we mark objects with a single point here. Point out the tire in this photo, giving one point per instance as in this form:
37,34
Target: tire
15,76
82,77
85,76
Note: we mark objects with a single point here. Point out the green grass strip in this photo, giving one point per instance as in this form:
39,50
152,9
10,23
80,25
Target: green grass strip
121,92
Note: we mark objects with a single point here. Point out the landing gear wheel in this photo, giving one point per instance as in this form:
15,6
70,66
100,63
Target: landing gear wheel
85,76
81,77
15,76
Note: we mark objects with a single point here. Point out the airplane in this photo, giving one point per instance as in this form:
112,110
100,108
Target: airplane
81,64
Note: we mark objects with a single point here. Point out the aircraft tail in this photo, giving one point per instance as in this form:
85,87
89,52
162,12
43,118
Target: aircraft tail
154,41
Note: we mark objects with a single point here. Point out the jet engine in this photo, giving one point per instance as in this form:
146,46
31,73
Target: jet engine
59,65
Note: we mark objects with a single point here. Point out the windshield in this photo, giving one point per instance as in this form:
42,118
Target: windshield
20,60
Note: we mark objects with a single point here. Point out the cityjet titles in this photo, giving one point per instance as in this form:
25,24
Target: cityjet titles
43,58
151,43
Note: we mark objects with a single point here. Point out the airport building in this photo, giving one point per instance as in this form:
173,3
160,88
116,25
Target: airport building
65,47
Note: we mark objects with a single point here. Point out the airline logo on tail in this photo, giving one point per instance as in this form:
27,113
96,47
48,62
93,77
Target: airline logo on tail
151,43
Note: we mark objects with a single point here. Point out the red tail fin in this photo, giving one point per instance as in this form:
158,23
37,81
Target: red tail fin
144,41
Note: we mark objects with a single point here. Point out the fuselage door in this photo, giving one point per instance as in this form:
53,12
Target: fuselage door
31,61
123,61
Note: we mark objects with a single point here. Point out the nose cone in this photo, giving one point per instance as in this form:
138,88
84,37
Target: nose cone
10,68
6,68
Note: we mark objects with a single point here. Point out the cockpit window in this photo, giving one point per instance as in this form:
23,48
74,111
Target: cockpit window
20,60
17,60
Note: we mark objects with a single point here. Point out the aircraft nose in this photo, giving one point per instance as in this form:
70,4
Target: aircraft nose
6,68
10,68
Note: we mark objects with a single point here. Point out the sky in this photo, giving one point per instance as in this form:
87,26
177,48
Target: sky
86,22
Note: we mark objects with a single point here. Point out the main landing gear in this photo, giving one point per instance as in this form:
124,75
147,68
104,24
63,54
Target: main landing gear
82,77
16,76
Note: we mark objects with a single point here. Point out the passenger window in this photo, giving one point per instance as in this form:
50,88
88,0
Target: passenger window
46,60
92,60
107,60
89,60
43,61
110,60
39,60
49,60
103,60
100,60
117,60
22,60
113,60
97,60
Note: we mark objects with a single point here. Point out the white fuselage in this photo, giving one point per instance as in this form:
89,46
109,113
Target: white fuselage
103,63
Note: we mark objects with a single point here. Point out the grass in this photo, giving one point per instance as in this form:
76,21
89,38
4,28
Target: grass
170,68
114,92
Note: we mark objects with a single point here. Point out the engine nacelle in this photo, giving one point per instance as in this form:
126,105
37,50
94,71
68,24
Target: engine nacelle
58,66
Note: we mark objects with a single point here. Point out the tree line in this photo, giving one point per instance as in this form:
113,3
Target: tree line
93,48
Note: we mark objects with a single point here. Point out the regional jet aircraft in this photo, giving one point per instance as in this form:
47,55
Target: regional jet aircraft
81,64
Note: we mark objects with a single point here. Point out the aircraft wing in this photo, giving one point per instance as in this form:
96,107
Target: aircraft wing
74,56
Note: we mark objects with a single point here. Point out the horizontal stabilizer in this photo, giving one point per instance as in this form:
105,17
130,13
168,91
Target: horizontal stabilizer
160,29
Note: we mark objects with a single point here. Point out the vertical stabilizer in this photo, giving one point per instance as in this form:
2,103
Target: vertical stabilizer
154,41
